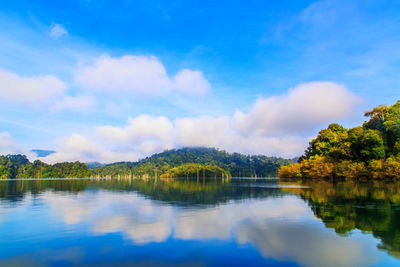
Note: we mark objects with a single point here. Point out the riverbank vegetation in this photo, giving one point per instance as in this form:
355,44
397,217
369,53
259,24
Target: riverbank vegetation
196,170
370,151
185,162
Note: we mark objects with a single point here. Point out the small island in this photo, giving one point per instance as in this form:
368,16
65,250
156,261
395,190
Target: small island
370,151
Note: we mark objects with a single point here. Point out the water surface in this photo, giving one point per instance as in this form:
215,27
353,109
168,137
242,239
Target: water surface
237,222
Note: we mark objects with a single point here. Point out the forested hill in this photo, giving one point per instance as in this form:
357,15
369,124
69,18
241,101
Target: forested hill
18,166
238,165
170,163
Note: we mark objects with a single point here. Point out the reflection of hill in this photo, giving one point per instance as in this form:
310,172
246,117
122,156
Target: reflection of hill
344,206
188,192
178,191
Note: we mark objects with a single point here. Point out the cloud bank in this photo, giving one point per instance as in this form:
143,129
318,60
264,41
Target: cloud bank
143,75
109,81
301,109
273,126
32,90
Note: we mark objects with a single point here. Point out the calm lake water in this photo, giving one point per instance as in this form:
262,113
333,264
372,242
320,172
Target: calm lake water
239,222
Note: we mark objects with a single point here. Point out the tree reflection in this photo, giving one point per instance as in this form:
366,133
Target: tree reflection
344,206
182,192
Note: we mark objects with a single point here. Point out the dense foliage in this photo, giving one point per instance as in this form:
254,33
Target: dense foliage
196,170
235,164
18,166
371,151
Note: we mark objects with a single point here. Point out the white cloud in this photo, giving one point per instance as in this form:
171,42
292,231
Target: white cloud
137,75
41,91
79,147
142,136
191,82
29,89
219,132
303,108
203,131
139,129
57,30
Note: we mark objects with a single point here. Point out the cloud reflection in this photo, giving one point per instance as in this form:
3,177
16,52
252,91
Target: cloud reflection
280,228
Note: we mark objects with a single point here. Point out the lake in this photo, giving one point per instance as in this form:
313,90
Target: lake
165,222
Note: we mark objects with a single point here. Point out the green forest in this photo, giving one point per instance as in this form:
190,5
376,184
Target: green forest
18,166
196,170
370,151
185,162
233,164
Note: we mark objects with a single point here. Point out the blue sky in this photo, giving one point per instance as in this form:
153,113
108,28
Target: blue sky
215,69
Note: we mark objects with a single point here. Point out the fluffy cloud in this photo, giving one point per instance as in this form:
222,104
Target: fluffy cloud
137,75
203,131
139,129
220,132
76,147
79,147
57,30
29,89
142,136
302,109
191,82
86,149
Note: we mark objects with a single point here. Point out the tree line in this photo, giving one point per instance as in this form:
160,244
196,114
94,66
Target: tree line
370,151
185,162
168,161
18,166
